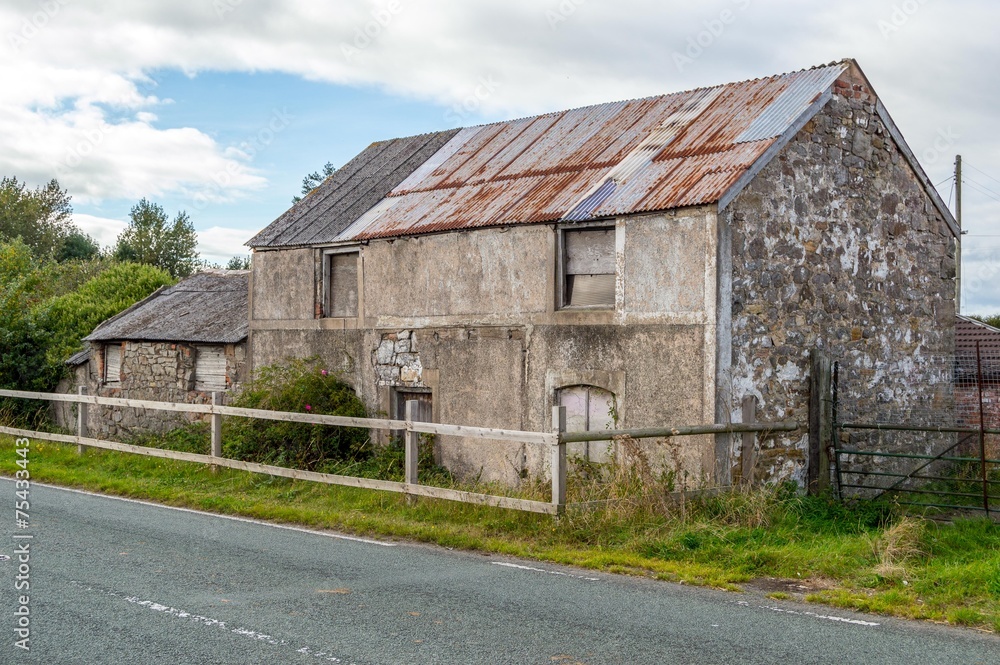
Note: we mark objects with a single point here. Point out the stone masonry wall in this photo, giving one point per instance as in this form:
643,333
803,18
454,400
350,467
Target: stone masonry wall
159,371
836,246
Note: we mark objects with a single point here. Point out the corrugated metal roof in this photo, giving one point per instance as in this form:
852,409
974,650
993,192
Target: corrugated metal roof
350,191
625,157
208,307
635,156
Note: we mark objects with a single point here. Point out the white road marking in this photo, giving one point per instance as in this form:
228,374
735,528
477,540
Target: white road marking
542,570
212,623
247,520
856,622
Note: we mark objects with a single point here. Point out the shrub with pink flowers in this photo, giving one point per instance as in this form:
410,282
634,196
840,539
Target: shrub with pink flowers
303,386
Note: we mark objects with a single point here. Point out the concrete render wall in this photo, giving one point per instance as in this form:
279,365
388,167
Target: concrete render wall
471,316
834,245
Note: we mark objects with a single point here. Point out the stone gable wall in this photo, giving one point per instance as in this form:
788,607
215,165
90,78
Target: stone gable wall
836,246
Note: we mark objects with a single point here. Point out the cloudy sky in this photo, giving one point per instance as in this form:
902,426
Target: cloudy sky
219,107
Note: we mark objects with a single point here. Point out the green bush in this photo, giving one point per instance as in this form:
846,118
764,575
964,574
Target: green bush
301,386
69,318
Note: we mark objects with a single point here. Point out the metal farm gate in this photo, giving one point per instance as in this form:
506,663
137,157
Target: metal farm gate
921,431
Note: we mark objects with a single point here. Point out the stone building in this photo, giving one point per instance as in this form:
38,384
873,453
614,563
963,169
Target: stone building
180,344
645,263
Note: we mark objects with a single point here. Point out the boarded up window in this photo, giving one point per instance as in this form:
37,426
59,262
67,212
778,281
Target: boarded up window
588,409
401,397
589,268
112,363
210,368
341,285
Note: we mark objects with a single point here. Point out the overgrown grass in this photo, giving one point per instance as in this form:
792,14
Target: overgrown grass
869,557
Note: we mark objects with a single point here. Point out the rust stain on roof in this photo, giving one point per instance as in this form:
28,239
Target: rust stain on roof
642,155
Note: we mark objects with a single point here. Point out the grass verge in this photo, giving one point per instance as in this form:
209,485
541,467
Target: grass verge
868,557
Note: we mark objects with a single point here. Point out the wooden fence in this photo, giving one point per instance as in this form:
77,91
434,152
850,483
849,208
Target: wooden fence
413,425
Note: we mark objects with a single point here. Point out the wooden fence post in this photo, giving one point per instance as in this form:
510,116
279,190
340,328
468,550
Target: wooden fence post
820,421
748,447
416,412
559,460
82,412
216,426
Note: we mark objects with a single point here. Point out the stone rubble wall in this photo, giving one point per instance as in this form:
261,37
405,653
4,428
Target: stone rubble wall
158,371
396,360
836,246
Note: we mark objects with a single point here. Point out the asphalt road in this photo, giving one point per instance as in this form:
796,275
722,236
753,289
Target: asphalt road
114,581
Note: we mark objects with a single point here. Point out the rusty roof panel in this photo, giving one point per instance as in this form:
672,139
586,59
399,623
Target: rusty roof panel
803,88
551,198
619,158
682,181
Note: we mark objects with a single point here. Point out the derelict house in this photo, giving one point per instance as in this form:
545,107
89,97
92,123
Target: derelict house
645,263
180,344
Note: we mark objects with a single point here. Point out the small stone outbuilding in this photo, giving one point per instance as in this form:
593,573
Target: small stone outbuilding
180,344
644,263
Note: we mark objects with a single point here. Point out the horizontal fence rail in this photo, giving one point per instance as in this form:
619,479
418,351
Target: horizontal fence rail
557,440
667,432
296,474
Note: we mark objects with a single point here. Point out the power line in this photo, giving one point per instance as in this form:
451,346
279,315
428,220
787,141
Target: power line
983,172
983,190
981,185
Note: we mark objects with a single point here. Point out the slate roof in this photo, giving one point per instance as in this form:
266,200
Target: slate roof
80,357
208,307
683,149
350,191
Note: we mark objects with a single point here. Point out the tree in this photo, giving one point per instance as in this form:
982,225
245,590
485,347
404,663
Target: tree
151,239
68,318
77,246
40,217
238,263
313,180
49,307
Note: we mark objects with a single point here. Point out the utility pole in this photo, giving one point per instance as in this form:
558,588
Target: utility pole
958,241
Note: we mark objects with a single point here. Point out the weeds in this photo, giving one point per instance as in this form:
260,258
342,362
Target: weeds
897,546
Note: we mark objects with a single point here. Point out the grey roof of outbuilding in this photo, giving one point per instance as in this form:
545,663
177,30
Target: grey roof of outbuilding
208,307
351,191
79,357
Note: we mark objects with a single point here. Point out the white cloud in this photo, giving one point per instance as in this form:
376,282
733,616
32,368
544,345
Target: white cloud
219,244
104,230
